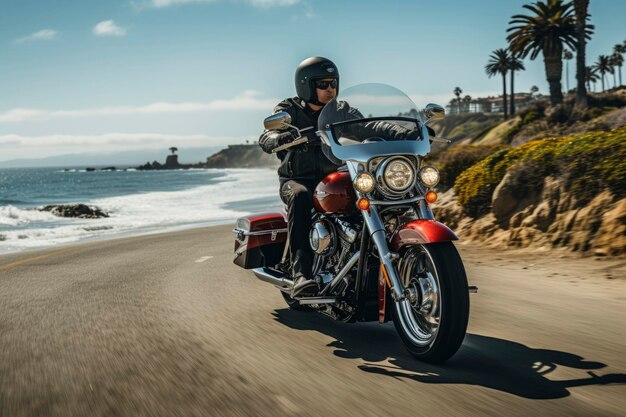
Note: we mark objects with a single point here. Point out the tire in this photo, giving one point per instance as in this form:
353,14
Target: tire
294,304
433,324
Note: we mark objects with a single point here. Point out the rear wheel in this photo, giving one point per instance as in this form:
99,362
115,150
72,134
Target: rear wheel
432,320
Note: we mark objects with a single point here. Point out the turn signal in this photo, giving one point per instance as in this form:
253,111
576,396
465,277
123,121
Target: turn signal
431,197
363,204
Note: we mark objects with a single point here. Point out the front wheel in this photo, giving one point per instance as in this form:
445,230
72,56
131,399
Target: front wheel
432,319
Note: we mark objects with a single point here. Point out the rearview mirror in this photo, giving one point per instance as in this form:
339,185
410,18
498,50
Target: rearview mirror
278,121
434,111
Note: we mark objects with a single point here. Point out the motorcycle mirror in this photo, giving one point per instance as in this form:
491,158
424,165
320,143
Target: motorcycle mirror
434,111
278,121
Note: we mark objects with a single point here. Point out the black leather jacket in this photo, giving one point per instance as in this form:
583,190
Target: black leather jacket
307,162
304,162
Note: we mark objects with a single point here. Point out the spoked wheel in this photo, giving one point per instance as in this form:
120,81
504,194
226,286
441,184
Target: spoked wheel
432,320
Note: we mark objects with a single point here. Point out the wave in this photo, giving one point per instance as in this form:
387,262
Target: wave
13,216
233,196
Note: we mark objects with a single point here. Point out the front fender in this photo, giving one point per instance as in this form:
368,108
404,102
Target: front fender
419,232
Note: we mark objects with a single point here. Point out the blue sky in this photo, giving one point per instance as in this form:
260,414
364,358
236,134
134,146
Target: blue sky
81,76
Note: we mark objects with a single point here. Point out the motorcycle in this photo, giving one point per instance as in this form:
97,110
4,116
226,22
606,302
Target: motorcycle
379,254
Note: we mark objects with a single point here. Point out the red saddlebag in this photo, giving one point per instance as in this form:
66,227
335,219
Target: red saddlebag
260,240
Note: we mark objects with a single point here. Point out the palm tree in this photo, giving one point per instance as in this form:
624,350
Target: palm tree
499,64
603,66
618,51
546,30
567,56
583,32
514,64
457,92
591,76
173,149
617,60
534,90
466,103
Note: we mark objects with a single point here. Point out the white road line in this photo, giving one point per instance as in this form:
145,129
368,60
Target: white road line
204,258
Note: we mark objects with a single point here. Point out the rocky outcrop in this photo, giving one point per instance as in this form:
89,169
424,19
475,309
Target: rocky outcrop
172,162
234,156
242,156
553,218
75,210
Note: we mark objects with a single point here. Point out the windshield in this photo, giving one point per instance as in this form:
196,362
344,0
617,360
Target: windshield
370,120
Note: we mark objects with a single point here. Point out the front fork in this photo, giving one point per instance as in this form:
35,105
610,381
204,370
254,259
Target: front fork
377,234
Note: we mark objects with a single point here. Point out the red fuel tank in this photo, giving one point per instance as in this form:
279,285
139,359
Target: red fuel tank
335,194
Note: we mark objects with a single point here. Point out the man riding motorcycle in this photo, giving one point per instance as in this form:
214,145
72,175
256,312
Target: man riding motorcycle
304,166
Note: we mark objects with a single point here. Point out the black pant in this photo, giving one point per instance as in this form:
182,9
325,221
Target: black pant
298,195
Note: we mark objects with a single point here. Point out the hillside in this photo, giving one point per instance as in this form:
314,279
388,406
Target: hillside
242,156
567,191
606,111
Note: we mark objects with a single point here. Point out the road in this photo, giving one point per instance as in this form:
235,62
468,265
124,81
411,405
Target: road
166,325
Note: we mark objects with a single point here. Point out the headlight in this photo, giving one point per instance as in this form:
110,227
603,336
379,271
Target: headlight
397,174
429,175
365,183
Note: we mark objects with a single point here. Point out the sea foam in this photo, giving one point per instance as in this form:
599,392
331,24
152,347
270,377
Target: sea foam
144,212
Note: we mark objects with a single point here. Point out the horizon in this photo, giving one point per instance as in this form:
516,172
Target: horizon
134,75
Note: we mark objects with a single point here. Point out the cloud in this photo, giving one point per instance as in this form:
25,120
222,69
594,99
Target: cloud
248,100
125,140
108,28
273,3
161,4
42,35
16,146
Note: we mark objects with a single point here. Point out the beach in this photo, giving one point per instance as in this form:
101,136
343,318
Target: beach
165,324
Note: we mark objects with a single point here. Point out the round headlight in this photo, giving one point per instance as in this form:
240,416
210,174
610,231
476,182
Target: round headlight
365,183
429,175
398,174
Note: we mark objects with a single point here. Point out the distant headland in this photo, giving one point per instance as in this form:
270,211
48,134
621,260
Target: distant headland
234,156
249,155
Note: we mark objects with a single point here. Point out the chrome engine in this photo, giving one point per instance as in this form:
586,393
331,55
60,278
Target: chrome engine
322,237
333,240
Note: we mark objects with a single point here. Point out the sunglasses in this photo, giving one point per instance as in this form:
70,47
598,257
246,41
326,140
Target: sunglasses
323,85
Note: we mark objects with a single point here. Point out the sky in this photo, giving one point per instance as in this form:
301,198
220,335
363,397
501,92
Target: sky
80,76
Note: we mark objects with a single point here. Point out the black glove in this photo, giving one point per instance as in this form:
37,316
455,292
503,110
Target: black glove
285,137
279,139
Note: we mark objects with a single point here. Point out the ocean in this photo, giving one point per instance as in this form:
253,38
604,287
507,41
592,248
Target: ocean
138,202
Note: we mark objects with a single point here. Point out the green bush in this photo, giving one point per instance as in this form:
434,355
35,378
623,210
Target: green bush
589,163
453,161
531,116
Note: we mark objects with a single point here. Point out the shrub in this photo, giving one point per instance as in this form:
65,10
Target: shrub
453,161
589,163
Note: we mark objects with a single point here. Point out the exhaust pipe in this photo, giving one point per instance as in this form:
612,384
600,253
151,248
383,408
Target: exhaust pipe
273,277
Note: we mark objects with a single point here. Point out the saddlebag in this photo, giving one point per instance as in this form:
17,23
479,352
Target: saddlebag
260,240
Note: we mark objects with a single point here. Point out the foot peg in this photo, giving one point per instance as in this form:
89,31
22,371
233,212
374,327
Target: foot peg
472,289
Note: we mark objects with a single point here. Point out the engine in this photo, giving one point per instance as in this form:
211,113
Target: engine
334,240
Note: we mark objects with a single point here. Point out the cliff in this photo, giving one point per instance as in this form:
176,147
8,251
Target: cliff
234,156
553,192
242,156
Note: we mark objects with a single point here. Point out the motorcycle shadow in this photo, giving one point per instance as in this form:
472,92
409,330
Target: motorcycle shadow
490,362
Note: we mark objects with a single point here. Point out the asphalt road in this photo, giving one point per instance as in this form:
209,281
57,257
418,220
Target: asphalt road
166,325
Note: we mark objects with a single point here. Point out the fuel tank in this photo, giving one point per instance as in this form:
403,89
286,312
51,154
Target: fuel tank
335,194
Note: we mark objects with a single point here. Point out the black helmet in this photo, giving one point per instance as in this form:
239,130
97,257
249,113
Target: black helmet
312,69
